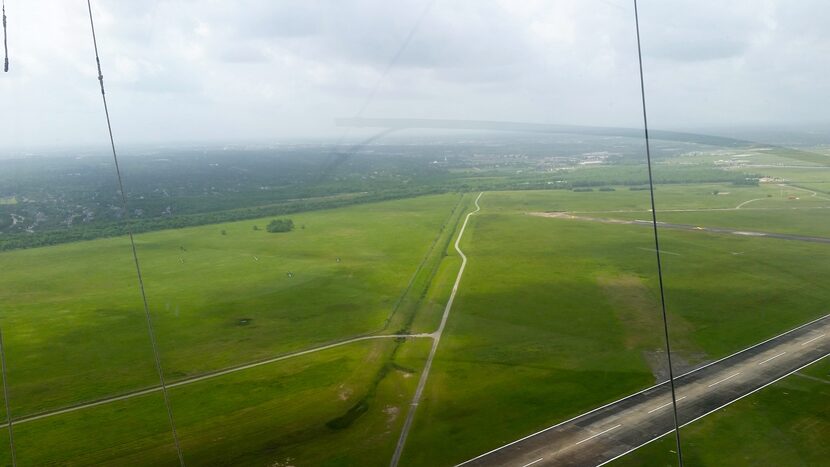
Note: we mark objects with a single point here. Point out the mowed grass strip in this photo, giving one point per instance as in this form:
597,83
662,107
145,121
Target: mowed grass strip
219,295
411,303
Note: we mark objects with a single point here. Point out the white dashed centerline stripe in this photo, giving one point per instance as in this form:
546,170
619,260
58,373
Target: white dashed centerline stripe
600,433
533,462
772,358
665,405
815,338
660,385
724,379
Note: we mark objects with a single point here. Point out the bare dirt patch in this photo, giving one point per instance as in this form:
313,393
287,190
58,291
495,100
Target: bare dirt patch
343,392
565,215
391,414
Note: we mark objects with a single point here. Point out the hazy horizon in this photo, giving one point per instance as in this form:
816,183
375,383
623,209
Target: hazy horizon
178,71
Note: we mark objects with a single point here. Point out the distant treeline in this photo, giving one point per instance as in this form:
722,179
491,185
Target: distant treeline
114,229
633,176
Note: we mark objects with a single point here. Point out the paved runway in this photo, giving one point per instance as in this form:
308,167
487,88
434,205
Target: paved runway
617,428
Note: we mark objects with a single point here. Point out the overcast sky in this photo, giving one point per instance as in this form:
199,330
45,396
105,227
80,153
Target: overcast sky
268,70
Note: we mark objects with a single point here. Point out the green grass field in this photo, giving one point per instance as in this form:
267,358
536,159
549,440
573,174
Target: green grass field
272,414
276,414
553,318
73,318
768,208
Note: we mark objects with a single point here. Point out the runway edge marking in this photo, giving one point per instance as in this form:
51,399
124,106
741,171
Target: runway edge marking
649,389
716,409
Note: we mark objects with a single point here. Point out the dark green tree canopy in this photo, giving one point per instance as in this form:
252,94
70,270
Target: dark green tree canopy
281,225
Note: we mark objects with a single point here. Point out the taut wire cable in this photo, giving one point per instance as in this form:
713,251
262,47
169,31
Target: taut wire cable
657,240
6,399
2,347
132,244
5,41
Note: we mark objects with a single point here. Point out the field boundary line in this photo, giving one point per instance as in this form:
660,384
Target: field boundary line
204,376
426,257
649,389
410,415
747,202
369,335
430,284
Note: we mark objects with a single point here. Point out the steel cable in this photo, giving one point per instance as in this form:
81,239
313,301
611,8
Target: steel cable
148,318
657,239
5,41
2,346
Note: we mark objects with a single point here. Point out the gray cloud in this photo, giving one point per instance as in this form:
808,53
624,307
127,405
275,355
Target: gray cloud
183,70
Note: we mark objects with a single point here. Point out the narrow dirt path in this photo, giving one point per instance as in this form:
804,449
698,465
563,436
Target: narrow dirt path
410,415
195,379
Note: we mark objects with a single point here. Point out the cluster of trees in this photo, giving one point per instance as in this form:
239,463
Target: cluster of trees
280,225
